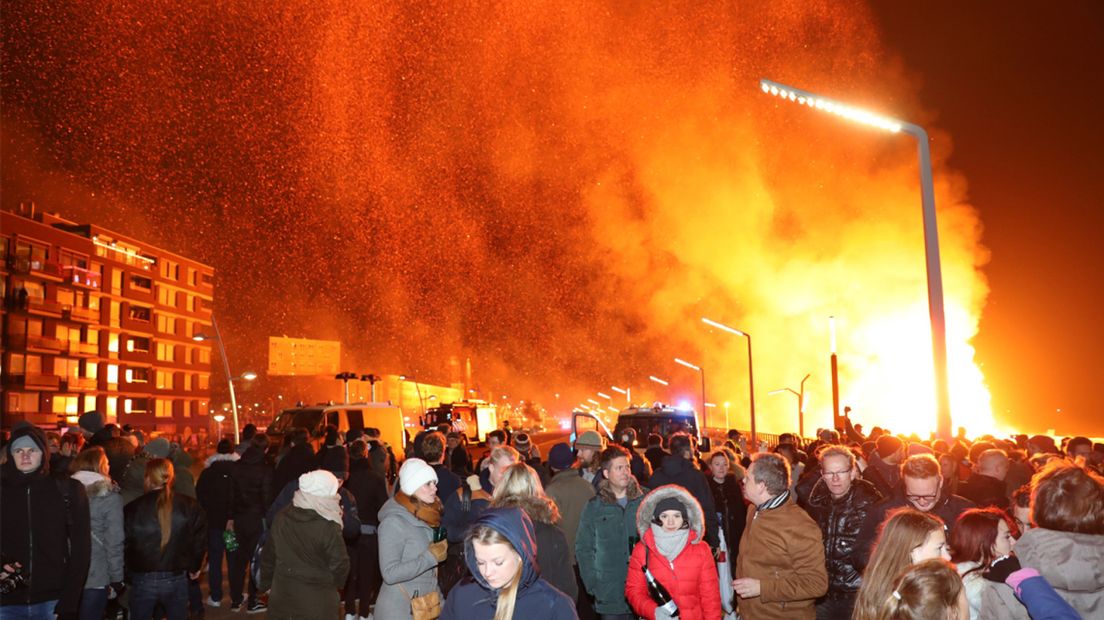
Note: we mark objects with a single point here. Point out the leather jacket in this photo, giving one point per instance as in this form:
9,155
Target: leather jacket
186,546
841,523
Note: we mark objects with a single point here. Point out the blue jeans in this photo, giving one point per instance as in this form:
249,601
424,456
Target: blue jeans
93,603
149,589
34,611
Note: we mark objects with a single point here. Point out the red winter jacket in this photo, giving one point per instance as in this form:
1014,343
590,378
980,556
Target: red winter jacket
691,579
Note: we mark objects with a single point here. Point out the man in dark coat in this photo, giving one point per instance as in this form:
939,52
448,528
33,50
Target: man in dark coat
921,488
655,452
253,494
298,460
840,502
883,468
215,492
46,528
678,468
433,452
369,488
985,486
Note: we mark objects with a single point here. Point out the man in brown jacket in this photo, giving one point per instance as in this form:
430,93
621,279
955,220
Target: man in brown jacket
780,571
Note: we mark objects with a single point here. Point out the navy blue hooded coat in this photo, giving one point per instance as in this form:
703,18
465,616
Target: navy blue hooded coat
474,599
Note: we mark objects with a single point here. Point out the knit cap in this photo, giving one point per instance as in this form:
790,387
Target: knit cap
318,482
413,474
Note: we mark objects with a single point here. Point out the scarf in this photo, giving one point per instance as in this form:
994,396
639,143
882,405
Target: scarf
773,502
328,508
430,514
670,544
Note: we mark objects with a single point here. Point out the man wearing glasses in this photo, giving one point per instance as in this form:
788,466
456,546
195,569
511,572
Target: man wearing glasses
920,488
840,503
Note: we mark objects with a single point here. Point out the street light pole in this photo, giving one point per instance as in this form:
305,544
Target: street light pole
229,377
931,231
751,373
800,404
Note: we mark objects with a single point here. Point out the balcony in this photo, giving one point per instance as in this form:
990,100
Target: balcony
44,269
81,276
36,305
81,384
141,357
85,315
34,381
34,343
83,349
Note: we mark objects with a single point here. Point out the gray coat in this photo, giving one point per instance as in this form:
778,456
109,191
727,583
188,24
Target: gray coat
405,560
105,504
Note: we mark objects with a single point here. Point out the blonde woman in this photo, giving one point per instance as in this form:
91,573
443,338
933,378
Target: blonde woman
521,488
505,582
105,503
930,590
907,537
166,537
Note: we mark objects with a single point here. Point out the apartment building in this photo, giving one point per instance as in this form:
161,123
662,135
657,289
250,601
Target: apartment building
96,320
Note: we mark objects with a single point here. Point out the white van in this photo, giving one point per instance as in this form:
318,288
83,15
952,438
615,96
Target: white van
353,416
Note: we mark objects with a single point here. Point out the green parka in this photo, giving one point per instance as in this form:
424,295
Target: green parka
305,563
606,536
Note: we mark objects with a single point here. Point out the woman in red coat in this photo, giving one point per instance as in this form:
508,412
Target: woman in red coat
671,523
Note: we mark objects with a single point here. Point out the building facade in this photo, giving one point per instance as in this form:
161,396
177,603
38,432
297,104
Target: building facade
95,320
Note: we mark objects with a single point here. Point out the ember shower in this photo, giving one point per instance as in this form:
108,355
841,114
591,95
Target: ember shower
557,190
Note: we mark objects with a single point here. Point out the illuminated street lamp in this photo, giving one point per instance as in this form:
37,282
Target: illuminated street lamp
249,376
219,418
800,404
699,370
751,376
931,232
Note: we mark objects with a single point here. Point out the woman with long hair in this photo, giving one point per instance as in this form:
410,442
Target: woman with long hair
410,542
521,488
725,477
305,562
505,582
166,536
105,504
930,590
671,551
907,537
981,536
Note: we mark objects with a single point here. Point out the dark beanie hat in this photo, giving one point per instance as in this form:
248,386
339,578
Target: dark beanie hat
670,503
335,460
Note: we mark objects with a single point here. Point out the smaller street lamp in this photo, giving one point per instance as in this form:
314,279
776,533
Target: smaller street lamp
800,404
699,370
626,392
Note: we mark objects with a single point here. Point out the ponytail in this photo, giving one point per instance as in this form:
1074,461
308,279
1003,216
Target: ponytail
160,476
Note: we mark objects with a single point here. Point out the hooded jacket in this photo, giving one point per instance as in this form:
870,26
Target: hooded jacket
690,578
253,491
215,489
606,536
305,563
46,527
474,598
678,470
1073,564
106,508
841,521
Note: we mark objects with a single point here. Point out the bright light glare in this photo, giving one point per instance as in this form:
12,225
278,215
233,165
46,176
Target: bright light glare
249,376
684,404
658,380
722,326
683,362
839,109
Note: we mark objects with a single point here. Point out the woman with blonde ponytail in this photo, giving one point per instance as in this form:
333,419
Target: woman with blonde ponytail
930,590
505,581
166,536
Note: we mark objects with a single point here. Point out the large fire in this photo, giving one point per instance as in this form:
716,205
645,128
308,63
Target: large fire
557,190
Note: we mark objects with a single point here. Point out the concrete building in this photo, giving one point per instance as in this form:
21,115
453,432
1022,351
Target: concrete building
96,320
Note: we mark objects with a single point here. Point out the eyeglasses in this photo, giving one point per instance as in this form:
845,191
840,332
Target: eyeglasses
835,474
921,498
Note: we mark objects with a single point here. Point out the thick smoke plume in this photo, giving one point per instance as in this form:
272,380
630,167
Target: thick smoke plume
557,190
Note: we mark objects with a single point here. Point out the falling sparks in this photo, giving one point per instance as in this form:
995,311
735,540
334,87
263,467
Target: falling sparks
558,190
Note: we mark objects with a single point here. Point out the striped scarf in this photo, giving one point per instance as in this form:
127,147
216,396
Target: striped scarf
772,503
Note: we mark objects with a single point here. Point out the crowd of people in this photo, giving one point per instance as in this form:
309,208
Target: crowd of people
99,523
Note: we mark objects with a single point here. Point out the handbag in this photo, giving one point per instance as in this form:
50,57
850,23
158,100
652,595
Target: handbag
724,577
425,607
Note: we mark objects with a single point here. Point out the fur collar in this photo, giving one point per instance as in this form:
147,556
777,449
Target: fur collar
606,493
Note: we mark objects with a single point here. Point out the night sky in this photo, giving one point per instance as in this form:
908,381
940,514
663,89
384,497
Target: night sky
559,191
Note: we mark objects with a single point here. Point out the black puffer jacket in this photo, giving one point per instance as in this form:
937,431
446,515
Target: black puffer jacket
841,522
187,543
253,489
215,489
46,528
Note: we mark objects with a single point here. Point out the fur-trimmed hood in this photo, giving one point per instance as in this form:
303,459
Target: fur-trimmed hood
215,458
633,491
647,507
95,484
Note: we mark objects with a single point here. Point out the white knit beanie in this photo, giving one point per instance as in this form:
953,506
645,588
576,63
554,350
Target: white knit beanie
413,474
319,482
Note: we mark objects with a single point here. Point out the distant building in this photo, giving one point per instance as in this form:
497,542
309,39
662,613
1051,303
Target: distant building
95,320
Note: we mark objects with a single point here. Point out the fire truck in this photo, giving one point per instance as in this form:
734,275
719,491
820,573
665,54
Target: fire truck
475,418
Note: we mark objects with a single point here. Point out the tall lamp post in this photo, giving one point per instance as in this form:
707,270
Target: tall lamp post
249,376
931,232
700,371
751,376
800,404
